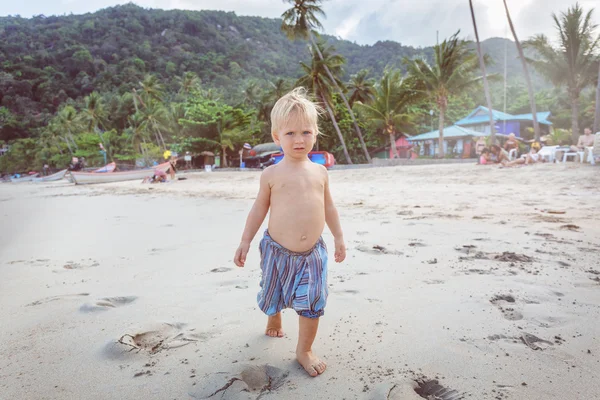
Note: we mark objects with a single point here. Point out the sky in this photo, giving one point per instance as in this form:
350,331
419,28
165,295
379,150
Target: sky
409,22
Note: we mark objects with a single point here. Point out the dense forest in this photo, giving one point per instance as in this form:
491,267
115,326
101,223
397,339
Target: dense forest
69,81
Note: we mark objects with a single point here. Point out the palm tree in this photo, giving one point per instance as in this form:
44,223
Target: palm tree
389,108
486,87
155,117
361,88
68,121
572,63
299,23
188,83
137,133
536,125
319,83
597,113
152,88
452,72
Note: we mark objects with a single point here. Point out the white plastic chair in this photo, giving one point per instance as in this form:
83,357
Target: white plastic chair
570,154
548,152
590,157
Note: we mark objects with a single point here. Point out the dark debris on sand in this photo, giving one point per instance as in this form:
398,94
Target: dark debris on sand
250,384
432,390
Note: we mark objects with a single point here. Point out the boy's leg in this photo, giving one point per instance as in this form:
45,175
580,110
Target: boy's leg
274,326
307,333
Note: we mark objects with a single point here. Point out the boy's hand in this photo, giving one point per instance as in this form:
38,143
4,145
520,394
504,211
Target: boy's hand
241,253
340,250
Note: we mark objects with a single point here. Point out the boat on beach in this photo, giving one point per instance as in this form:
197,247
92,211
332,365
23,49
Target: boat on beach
51,178
107,168
87,178
27,178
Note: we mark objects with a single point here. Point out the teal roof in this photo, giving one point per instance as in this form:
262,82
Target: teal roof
481,115
449,132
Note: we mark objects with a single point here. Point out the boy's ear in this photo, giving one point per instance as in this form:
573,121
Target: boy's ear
275,138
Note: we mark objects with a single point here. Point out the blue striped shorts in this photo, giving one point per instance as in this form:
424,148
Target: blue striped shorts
293,280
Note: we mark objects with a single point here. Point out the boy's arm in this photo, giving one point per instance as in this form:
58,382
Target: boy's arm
332,219
255,218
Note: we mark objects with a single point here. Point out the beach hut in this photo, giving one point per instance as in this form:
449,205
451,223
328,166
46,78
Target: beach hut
456,138
479,120
403,146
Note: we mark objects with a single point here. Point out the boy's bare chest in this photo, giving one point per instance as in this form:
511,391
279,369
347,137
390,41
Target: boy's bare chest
299,186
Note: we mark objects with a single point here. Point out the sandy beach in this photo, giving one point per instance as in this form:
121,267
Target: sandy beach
485,279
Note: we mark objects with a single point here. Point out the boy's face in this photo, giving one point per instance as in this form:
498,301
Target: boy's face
297,137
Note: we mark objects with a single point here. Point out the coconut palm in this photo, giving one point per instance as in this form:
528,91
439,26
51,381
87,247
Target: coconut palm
188,82
536,125
68,121
317,81
389,108
572,63
360,88
597,113
299,22
486,87
452,72
94,112
155,121
137,133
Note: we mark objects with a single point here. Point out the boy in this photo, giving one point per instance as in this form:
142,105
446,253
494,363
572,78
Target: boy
293,254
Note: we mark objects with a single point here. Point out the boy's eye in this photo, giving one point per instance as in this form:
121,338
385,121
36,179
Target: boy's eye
307,132
290,133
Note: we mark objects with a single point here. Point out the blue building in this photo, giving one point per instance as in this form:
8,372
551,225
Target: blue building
479,120
459,138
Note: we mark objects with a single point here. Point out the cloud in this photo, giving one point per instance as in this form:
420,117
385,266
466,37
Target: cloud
536,16
409,22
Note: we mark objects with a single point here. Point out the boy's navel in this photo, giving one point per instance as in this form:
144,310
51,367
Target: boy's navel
303,237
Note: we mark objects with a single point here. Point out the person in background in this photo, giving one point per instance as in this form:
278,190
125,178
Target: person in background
511,143
486,157
46,170
75,164
530,158
499,154
480,145
586,140
173,167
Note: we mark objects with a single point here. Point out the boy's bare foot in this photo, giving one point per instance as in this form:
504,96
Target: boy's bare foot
311,363
274,326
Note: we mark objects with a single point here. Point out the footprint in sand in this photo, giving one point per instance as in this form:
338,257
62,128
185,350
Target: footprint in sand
414,390
220,269
377,249
505,304
81,265
249,383
153,339
107,303
55,298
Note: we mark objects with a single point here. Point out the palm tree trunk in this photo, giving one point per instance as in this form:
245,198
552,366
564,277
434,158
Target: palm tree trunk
393,144
224,151
337,129
574,118
536,125
339,90
597,114
441,128
68,145
486,86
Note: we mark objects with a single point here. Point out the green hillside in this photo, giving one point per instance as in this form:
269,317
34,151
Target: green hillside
44,61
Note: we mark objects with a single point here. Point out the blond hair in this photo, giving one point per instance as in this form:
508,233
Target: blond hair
295,103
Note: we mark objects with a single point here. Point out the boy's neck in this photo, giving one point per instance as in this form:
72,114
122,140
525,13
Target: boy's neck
295,161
